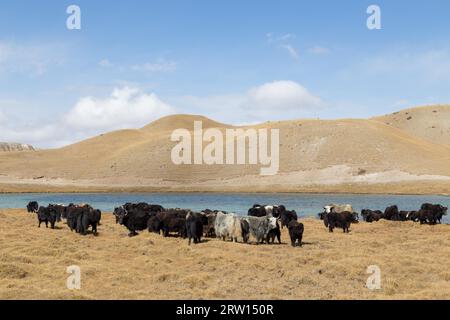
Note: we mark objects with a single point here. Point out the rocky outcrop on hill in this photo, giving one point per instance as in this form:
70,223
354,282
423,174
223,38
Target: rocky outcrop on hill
9,147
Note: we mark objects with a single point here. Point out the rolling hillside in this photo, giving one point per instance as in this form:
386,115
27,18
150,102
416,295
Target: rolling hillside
431,123
383,154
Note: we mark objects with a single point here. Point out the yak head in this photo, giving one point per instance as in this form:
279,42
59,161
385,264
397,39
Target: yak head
322,215
365,213
329,208
273,222
120,213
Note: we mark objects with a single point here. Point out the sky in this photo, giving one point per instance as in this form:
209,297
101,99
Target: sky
238,62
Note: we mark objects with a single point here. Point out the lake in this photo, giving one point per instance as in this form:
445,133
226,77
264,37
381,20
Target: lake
304,204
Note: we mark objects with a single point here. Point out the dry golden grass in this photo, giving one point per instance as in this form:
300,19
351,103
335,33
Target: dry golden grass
414,261
429,122
346,155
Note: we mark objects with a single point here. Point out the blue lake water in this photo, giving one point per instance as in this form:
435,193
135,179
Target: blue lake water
304,204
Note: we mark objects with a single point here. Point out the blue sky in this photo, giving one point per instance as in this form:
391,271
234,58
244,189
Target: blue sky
235,61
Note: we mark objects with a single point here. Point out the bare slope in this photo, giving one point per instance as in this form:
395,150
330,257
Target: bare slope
312,152
429,122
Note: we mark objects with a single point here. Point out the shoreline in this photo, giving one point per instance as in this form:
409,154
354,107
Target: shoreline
228,193
373,189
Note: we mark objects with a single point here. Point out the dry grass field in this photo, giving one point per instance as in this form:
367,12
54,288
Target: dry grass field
414,262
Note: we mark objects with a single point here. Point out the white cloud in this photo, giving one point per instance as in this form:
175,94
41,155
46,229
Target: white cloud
273,37
431,66
286,42
276,100
283,41
159,66
281,95
130,107
401,103
44,134
105,63
125,108
318,50
287,36
270,37
5,52
29,59
3,118
292,51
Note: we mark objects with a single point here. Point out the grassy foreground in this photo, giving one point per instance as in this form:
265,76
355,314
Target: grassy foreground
414,262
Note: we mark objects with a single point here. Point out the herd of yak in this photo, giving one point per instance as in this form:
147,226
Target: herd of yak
264,223
78,217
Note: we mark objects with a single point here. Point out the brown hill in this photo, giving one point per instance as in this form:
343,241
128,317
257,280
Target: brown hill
430,122
350,155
